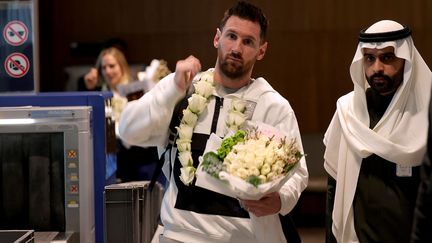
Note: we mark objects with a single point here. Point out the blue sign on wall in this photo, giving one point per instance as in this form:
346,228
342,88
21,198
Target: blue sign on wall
16,49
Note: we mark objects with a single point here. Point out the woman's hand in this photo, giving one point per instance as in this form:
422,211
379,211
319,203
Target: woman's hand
91,79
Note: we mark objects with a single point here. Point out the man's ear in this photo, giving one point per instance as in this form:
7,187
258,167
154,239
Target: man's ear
216,38
262,50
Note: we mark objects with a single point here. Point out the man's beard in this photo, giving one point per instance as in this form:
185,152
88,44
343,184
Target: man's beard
232,69
389,86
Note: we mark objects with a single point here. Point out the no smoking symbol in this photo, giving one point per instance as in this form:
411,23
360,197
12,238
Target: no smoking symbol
16,65
15,33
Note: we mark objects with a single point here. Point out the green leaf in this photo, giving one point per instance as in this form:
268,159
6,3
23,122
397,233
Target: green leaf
211,158
229,142
212,164
254,180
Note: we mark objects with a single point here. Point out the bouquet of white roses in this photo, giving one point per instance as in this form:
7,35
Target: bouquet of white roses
248,164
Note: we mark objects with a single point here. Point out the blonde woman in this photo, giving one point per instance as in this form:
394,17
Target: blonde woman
111,70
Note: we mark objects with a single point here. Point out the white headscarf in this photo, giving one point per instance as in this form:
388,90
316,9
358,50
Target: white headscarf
399,136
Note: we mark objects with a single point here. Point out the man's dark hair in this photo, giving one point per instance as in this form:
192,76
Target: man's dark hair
248,11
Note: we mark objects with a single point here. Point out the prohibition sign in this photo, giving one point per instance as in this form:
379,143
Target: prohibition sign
15,33
16,65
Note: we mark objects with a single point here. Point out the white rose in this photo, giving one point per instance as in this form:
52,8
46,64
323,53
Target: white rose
208,77
262,139
242,173
259,161
271,176
251,143
274,144
197,103
237,161
277,169
231,129
281,152
118,105
187,175
241,151
185,158
232,168
204,88
229,158
185,131
249,158
254,171
236,118
260,155
265,169
270,156
183,145
292,158
189,117
279,163
238,105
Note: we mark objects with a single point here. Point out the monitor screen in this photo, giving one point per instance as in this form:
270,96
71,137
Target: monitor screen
32,184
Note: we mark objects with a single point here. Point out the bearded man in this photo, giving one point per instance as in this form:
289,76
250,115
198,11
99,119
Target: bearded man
377,138
193,214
